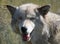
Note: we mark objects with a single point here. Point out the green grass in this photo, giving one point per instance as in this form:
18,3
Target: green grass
7,36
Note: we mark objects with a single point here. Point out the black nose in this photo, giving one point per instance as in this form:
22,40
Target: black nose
24,30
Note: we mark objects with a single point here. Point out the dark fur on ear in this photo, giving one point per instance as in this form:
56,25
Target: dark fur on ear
43,10
11,9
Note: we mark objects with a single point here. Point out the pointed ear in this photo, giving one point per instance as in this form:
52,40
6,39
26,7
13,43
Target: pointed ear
43,10
11,9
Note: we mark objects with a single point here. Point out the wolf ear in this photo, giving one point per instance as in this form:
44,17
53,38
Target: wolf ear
11,9
43,10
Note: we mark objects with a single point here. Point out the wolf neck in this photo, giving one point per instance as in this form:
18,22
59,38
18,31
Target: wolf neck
51,17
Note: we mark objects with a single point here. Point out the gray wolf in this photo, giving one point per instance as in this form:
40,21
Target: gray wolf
35,23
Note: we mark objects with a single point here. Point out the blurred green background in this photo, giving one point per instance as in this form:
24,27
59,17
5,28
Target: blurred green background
7,36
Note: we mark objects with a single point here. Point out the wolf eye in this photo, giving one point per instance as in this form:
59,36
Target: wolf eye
20,18
32,18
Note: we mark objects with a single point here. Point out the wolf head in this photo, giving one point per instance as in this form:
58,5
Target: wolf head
28,17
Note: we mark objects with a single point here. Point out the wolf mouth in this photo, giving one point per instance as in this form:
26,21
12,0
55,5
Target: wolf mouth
25,37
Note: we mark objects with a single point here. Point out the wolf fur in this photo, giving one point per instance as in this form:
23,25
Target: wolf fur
44,30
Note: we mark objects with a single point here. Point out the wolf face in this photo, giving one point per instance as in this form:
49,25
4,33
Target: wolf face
27,18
